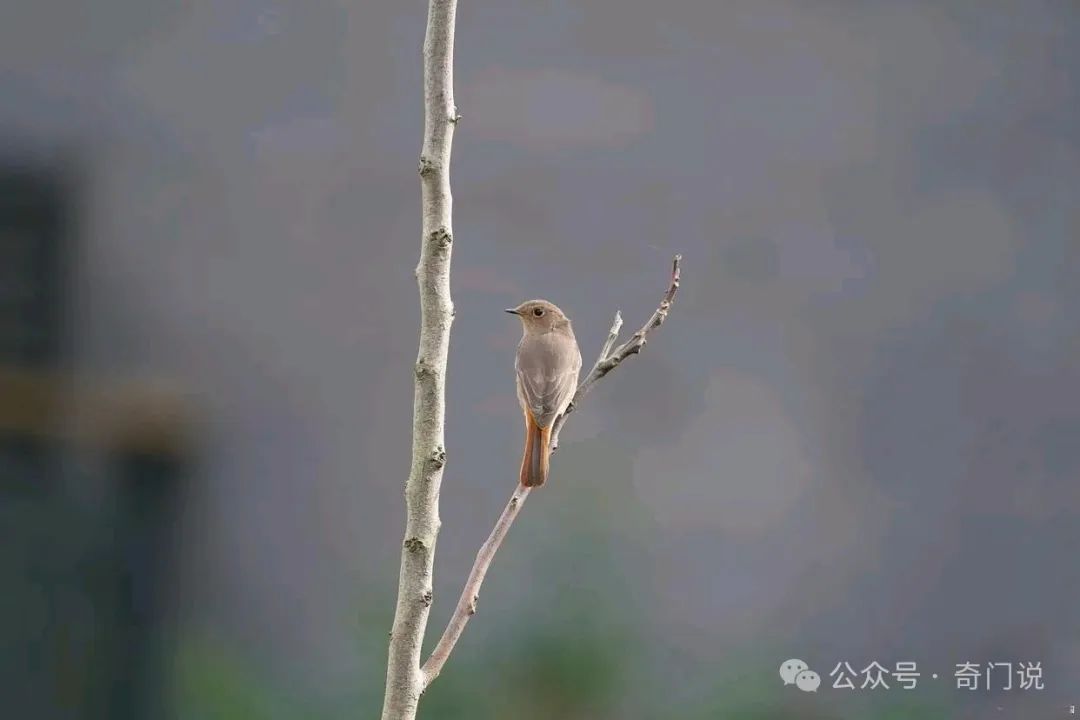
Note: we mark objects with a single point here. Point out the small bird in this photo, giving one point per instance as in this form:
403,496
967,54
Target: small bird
548,362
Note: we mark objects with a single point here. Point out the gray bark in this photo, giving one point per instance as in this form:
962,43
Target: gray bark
404,678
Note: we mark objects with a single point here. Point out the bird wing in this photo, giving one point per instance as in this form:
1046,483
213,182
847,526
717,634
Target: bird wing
546,381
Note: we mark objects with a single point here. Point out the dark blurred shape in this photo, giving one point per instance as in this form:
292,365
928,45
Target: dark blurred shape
83,600
141,557
35,232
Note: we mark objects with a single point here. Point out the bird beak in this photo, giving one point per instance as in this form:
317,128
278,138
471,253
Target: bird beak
513,311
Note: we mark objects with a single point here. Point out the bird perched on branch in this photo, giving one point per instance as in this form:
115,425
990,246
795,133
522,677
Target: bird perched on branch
548,362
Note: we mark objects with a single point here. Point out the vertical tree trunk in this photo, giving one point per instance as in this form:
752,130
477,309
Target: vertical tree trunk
404,677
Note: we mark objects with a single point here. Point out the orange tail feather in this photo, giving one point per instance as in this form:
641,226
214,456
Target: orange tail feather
536,460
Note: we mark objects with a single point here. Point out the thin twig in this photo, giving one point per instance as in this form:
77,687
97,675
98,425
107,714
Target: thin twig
466,606
613,335
609,360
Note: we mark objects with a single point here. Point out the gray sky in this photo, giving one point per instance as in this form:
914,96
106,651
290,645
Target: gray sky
858,433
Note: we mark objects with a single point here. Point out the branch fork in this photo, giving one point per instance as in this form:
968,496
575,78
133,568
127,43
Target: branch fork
406,677
608,360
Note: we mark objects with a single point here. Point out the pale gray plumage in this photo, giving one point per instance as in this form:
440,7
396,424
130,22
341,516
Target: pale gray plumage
548,377
547,366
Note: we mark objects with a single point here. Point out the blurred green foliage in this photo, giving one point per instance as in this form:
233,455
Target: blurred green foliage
568,672
577,648
211,683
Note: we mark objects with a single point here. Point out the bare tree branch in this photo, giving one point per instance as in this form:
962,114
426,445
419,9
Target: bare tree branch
612,336
466,606
404,678
609,360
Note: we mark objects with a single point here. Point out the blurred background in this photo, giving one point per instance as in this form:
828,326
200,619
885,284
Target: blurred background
857,439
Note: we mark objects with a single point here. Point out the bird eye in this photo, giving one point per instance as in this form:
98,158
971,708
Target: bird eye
538,312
